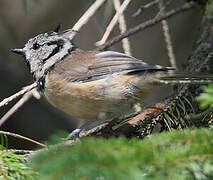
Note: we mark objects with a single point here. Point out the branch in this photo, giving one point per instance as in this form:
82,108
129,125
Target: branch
113,22
19,104
22,137
146,24
86,16
142,8
16,95
122,26
167,37
18,151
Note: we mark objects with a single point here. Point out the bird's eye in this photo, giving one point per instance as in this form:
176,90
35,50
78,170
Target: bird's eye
36,46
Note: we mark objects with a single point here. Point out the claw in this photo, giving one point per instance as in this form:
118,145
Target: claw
74,133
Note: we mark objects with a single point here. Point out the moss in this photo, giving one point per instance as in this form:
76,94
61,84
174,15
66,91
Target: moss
176,155
200,54
209,8
206,98
14,167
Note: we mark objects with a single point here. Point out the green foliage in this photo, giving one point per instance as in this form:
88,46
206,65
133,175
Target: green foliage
175,155
14,167
200,53
206,98
209,8
3,142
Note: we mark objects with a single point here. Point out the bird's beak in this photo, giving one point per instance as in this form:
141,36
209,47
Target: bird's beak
18,51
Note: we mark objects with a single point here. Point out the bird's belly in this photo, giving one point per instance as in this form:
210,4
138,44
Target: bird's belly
75,102
87,100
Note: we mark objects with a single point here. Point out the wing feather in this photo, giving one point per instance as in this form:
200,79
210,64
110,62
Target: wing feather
99,65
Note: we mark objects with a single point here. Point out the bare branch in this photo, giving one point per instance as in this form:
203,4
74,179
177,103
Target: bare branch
113,22
19,104
16,95
167,37
22,137
86,16
142,8
122,26
18,151
146,24
162,9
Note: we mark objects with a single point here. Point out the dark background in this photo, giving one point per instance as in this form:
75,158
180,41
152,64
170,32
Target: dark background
21,20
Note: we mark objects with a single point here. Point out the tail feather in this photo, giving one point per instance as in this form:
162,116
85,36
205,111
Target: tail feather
181,78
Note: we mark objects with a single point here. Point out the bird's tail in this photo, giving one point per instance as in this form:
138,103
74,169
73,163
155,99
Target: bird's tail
182,78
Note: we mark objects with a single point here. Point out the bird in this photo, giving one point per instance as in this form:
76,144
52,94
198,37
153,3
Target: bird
91,85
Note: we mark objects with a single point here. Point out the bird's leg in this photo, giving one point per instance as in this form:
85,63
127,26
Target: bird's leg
76,132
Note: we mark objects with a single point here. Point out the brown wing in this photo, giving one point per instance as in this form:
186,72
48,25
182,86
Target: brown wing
84,66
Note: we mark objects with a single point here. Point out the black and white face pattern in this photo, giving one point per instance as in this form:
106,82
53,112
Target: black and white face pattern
45,50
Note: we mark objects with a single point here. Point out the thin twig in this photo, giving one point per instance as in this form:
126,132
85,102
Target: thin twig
167,37
142,8
19,104
146,24
16,95
162,9
19,151
86,16
123,28
113,22
22,137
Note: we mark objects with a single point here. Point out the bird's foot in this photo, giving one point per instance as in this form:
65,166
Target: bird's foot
74,134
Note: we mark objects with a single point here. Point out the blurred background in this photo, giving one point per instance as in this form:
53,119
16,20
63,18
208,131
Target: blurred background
23,19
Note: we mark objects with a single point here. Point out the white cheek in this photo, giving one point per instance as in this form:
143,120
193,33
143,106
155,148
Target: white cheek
45,52
27,56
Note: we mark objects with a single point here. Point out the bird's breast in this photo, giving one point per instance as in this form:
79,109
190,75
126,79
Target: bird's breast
113,94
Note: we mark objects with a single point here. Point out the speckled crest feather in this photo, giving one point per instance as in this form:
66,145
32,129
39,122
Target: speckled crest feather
45,50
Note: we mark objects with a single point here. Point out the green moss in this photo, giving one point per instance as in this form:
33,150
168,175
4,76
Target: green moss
209,8
176,155
206,98
14,167
200,54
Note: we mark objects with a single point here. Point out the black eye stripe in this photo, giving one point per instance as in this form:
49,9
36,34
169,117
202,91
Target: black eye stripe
55,50
36,46
52,43
58,43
